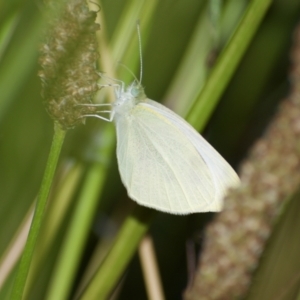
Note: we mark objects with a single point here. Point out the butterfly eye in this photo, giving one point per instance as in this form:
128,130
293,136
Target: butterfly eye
135,91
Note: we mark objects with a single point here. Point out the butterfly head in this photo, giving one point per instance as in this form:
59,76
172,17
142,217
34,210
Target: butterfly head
136,91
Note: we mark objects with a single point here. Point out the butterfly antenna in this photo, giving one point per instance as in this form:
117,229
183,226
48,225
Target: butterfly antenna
140,49
125,67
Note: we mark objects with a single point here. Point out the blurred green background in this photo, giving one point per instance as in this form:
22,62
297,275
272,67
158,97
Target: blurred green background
181,38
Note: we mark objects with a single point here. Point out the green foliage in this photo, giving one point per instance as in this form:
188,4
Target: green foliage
182,42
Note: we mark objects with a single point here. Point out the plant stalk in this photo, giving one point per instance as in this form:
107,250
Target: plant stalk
24,265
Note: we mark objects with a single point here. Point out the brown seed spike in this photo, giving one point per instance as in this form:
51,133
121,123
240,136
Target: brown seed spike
68,59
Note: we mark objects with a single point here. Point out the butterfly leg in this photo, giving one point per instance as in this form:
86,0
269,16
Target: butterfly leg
120,85
98,117
98,112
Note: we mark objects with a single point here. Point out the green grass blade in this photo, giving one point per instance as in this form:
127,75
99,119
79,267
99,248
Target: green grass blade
124,247
80,224
227,64
24,265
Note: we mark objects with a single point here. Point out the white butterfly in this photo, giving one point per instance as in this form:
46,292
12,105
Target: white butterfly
164,162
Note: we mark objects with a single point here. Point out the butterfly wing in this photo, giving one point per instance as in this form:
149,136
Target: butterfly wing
224,176
160,161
